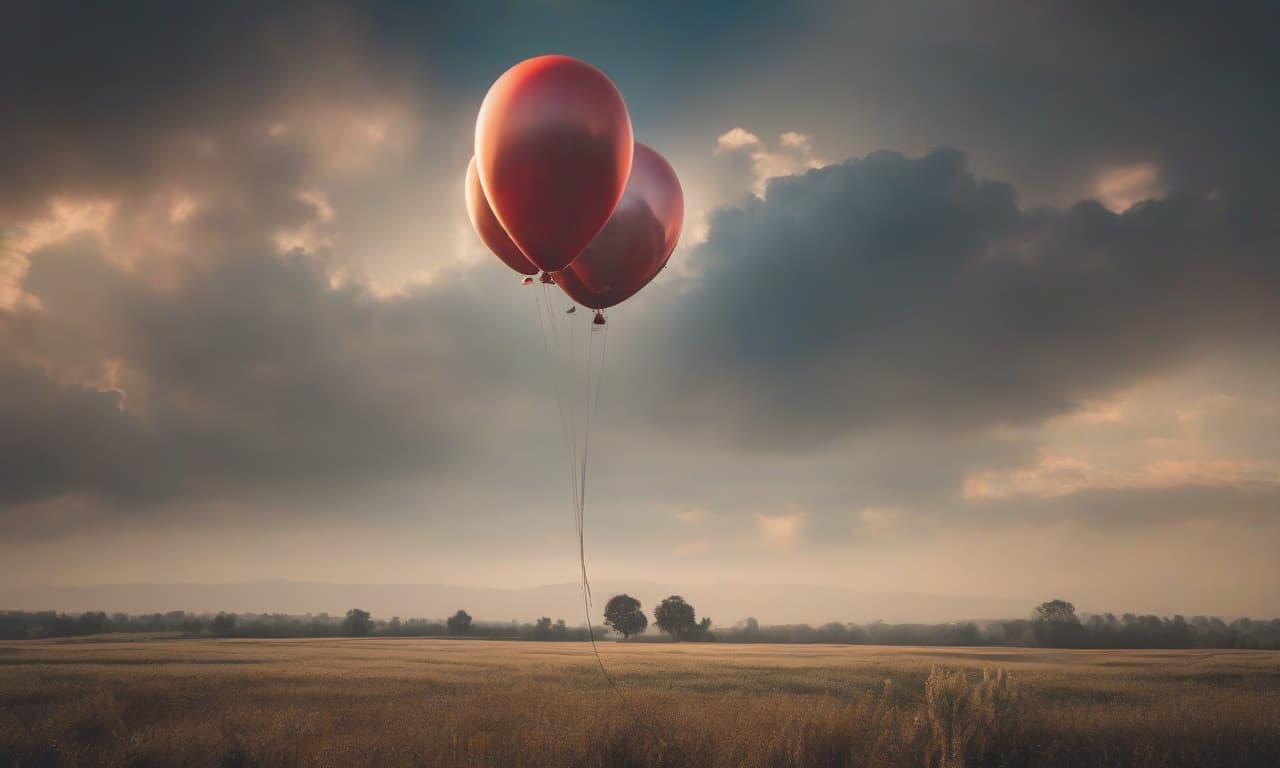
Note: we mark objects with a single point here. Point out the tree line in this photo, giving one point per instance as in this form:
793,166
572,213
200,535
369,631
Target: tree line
1053,624
356,623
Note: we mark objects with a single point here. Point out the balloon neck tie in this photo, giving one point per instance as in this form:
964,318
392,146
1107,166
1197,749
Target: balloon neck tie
545,278
599,318
527,281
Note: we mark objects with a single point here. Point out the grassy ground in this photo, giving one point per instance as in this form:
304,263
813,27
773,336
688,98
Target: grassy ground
439,702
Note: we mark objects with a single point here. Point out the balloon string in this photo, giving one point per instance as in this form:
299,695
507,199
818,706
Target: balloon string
542,326
573,431
582,481
604,345
557,382
592,404
550,327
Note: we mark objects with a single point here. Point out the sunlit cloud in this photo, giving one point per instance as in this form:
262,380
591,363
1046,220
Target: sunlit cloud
1056,476
110,380
736,138
181,207
780,528
793,153
64,217
1121,187
315,233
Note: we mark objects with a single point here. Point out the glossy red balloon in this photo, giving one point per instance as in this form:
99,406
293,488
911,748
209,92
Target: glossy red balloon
636,243
490,229
553,151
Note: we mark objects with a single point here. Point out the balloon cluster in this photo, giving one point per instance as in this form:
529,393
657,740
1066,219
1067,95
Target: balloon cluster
559,186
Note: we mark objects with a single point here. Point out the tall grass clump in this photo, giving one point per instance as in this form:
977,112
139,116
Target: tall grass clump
969,722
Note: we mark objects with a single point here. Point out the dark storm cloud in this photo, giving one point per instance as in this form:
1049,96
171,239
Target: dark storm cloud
255,374
178,360
59,439
1041,93
102,96
96,95
892,292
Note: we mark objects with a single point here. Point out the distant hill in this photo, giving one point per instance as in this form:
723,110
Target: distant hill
726,602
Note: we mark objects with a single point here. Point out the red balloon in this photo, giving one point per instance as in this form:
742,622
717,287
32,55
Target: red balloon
636,243
553,151
490,229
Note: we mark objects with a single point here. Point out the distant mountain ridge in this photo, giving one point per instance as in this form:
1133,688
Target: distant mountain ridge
725,602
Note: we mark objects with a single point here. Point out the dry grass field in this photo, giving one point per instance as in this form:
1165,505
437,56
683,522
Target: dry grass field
388,702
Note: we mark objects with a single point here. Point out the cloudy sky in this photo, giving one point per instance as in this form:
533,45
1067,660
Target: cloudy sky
976,298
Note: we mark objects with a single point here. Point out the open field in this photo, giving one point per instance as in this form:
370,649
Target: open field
114,701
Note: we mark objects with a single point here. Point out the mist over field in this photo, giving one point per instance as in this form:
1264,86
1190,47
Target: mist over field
728,603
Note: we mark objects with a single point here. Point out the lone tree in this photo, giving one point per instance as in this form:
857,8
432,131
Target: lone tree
542,628
677,618
459,623
623,614
1056,626
223,624
357,623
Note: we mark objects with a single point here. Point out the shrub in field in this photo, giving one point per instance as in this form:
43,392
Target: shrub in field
968,719
952,720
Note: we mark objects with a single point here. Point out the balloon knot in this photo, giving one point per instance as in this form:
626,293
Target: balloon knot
527,281
545,278
599,318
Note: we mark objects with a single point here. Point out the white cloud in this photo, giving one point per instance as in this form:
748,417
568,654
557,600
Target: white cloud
793,139
736,138
792,154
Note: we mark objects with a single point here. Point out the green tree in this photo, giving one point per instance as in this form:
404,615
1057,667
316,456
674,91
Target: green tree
623,614
459,623
223,624
357,623
1056,625
92,623
677,618
542,628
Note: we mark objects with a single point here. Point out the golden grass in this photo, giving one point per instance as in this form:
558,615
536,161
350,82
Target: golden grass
392,702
